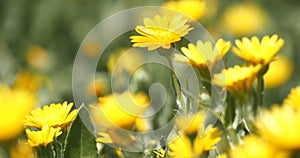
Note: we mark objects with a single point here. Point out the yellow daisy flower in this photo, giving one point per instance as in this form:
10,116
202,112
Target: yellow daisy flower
253,147
193,8
244,19
258,52
293,99
43,137
280,126
119,109
55,115
205,140
236,79
22,149
15,104
196,122
194,54
160,32
279,72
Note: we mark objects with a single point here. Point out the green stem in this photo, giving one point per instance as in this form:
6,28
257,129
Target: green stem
176,86
260,90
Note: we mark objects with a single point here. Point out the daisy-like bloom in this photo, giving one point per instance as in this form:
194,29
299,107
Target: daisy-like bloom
160,32
21,149
258,52
254,147
205,140
55,115
234,20
15,104
236,79
280,126
196,122
203,54
43,137
293,98
121,110
279,72
193,8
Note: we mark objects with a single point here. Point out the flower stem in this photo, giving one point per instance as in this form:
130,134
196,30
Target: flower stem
176,84
260,90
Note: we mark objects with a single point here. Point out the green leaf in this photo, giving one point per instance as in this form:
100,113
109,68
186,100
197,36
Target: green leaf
80,142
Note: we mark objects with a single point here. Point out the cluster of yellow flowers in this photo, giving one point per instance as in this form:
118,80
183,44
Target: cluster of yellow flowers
48,123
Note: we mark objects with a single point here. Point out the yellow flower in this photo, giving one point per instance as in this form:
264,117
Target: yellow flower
15,104
28,81
258,52
193,8
43,137
55,115
37,56
279,72
160,32
196,122
21,149
236,79
202,54
293,99
280,126
119,109
205,140
254,147
244,19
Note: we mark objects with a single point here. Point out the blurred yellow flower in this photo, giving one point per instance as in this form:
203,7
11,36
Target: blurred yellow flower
196,122
293,99
22,149
55,115
254,147
37,56
205,140
15,104
121,110
236,79
91,48
181,147
280,126
43,137
258,52
244,19
28,81
204,54
160,32
193,8
279,72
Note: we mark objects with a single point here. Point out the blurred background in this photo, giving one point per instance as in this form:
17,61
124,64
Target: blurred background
39,39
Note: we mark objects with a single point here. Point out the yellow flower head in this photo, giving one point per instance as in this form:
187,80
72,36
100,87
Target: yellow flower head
254,147
194,55
43,137
236,79
244,19
160,32
196,122
37,57
279,72
21,149
206,139
193,8
55,115
280,126
15,104
119,109
28,81
258,52
293,99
